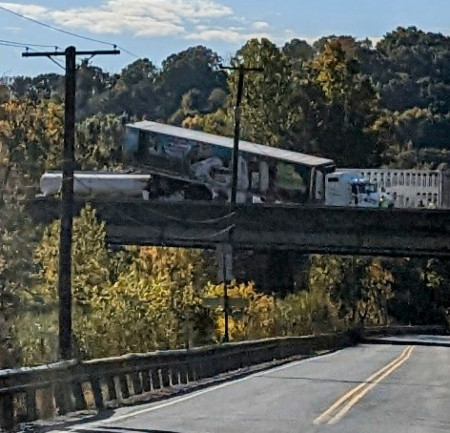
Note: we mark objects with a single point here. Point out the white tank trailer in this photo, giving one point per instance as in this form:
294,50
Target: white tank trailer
97,183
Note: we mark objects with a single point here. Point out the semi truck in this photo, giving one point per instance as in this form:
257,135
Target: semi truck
198,165
165,162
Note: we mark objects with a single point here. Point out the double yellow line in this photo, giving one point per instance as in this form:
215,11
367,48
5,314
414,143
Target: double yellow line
343,405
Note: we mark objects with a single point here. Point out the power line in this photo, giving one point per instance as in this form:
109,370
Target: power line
130,53
55,28
14,44
25,45
7,44
66,31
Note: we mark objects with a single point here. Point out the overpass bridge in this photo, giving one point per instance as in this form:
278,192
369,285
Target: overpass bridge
306,229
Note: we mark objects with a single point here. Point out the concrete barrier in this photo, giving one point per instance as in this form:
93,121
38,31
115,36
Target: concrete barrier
112,382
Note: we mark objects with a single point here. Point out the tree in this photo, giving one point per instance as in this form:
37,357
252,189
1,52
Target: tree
266,110
298,50
142,70
194,68
219,122
99,141
16,267
420,291
89,256
135,300
358,287
346,134
30,132
256,320
90,285
306,313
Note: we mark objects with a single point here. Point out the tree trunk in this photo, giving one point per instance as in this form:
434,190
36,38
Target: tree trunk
4,182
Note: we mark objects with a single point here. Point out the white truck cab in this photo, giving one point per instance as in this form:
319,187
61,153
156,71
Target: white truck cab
349,189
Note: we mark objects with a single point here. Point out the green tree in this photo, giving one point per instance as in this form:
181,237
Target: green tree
99,141
350,110
90,259
194,68
17,237
29,133
137,72
298,50
306,313
90,284
266,110
359,288
134,300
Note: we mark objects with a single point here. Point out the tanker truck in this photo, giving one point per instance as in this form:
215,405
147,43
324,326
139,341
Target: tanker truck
341,188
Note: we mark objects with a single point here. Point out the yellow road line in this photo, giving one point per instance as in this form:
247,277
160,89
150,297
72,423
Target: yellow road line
368,388
354,393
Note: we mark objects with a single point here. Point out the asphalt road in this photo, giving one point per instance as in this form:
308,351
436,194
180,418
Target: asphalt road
369,388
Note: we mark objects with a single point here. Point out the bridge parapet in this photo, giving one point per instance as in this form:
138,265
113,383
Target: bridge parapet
141,377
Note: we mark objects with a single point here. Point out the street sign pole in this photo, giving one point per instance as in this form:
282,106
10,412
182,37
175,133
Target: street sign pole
225,261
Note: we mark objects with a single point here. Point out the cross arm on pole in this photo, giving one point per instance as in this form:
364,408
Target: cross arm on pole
63,53
241,67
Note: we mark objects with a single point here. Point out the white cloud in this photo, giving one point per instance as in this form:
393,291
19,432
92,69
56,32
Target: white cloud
187,19
139,17
240,35
13,29
260,25
217,34
27,10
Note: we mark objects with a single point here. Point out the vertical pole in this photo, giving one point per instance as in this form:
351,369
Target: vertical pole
226,333
226,307
65,243
237,127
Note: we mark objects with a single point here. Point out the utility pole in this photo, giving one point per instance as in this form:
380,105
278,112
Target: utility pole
237,121
65,240
227,249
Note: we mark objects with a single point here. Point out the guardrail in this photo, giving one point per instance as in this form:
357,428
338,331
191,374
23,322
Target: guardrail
402,330
28,394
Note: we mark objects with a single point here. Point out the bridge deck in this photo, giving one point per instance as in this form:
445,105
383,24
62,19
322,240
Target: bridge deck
309,229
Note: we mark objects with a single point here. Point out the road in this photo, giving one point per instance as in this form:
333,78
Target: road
369,388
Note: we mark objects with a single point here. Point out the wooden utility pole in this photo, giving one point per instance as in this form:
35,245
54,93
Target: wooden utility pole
65,240
237,122
227,249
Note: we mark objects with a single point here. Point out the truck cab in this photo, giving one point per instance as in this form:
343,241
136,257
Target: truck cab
349,189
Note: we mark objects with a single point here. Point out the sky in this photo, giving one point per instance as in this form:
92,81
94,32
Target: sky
158,28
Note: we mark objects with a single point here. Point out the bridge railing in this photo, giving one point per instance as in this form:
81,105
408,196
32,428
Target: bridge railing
28,394
31,393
